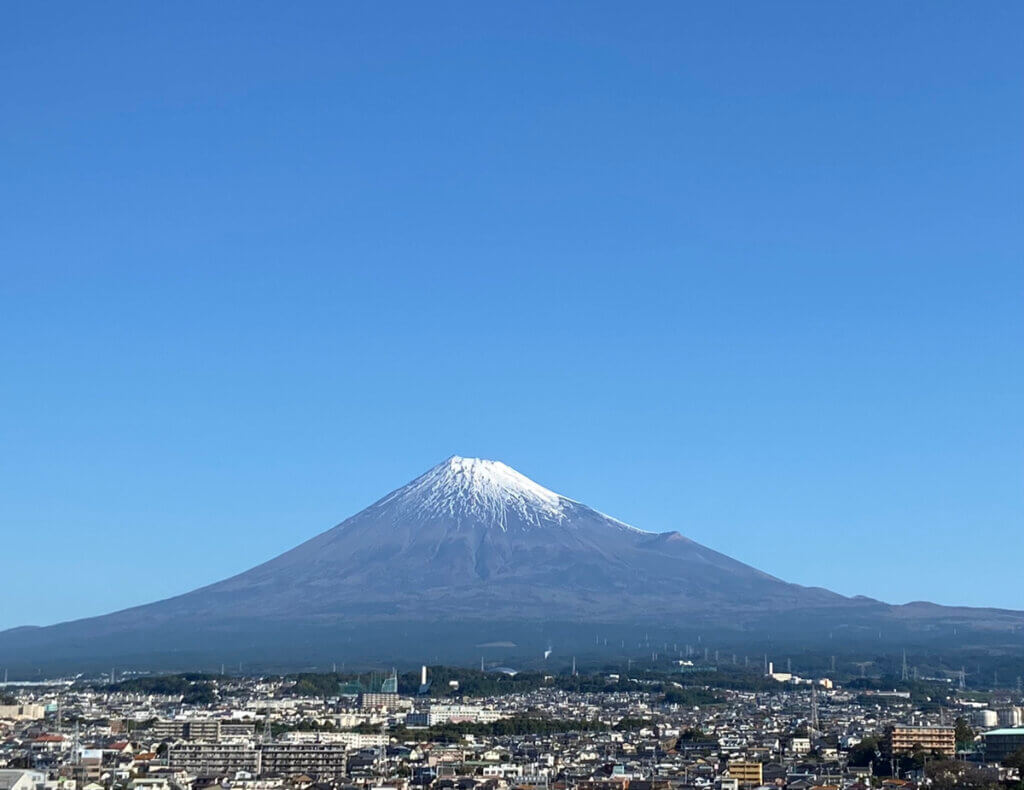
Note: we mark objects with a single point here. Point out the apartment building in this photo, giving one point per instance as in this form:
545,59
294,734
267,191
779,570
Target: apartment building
321,761
213,759
186,730
905,739
746,773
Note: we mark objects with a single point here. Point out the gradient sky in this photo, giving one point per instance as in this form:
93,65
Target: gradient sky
752,271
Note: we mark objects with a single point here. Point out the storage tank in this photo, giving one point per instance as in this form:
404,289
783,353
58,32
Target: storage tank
986,718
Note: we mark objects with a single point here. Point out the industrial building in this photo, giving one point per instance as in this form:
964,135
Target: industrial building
1000,744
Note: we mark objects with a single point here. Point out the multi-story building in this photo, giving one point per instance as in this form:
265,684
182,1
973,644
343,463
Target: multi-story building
371,700
213,759
800,745
320,761
186,730
441,714
237,729
353,740
1000,744
905,739
21,712
746,773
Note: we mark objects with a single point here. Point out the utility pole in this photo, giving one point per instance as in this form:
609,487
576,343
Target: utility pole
814,710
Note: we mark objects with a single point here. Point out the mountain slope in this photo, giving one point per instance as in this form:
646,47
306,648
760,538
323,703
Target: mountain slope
469,544
476,537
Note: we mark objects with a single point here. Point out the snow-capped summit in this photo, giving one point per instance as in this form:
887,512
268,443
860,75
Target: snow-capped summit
487,492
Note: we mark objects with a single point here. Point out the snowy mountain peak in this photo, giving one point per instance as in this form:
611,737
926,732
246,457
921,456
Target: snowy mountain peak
479,491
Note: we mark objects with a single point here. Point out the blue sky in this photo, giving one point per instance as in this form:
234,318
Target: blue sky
748,271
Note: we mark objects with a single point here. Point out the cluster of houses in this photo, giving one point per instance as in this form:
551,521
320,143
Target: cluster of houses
258,734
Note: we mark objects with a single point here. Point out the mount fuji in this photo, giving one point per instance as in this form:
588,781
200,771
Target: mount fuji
471,552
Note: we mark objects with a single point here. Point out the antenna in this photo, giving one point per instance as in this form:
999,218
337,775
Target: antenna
903,675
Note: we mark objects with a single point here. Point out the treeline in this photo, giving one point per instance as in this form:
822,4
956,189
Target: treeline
193,687
690,696
474,683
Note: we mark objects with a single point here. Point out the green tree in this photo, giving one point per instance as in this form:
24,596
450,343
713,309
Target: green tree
864,752
1016,760
964,733
955,775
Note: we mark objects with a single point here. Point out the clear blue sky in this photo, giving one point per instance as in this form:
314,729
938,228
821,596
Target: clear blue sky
752,271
